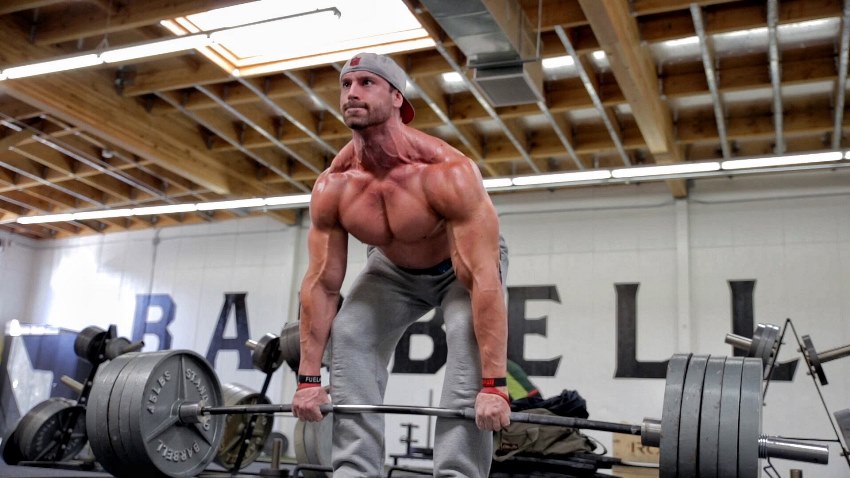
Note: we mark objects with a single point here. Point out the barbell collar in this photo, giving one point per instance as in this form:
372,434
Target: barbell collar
251,344
650,432
738,342
787,449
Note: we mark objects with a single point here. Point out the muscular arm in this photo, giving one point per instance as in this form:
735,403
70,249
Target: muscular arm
456,192
327,245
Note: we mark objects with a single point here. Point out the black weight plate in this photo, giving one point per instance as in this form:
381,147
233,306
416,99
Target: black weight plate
749,426
709,429
136,377
10,449
33,421
689,419
771,337
88,342
730,402
38,438
266,356
172,448
677,368
116,439
290,345
756,343
97,411
812,359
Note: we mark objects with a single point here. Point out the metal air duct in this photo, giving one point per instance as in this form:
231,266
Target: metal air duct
499,43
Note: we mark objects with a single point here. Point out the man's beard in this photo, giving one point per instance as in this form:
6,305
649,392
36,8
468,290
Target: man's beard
370,118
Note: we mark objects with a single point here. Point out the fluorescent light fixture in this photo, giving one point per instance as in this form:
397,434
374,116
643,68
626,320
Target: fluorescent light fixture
51,66
599,55
493,183
665,169
81,216
173,45
562,177
167,209
769,161
452,77
236,204
46,218
294,200
679,42
558,62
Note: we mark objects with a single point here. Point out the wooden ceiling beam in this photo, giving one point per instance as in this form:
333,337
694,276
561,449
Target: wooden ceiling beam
86,99
734,16
617,33
79,23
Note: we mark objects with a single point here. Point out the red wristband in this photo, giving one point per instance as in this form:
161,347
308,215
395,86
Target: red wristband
308,385
496,391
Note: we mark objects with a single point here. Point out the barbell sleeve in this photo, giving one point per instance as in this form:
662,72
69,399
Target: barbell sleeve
787,449
834,354
738,342
71,383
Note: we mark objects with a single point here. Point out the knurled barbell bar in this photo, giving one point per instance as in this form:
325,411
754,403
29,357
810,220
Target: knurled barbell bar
815,359
162,414
763,345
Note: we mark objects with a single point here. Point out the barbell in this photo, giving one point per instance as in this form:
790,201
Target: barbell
815,359
161,414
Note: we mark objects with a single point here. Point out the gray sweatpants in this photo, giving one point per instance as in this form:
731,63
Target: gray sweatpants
383,301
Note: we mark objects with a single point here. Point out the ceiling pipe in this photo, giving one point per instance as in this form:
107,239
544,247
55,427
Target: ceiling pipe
775,74
594,95
841,85
707,53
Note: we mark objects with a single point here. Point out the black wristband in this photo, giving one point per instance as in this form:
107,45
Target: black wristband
494,382
310,379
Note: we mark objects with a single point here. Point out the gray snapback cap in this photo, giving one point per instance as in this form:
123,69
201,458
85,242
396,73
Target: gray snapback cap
387,69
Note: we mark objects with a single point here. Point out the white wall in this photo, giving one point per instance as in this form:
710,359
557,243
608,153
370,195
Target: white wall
16,268
790,235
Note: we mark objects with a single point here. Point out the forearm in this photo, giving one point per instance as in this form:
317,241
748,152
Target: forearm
318,308
491,329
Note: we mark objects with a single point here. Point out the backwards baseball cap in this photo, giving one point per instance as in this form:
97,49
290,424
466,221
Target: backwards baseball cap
387,69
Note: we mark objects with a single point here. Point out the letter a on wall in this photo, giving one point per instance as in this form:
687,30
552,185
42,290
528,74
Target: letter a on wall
235,301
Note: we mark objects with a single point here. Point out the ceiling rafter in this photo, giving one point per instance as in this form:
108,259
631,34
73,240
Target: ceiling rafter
617,32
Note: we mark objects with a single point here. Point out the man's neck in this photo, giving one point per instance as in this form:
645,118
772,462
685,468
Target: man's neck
381,147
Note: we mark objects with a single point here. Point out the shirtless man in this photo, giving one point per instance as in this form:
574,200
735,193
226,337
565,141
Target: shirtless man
433,238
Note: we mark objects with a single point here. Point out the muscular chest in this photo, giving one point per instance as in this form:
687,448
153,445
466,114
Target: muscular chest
389,210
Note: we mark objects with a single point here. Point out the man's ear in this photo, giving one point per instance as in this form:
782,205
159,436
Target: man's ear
398,98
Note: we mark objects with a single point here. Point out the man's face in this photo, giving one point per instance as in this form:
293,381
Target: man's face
366,99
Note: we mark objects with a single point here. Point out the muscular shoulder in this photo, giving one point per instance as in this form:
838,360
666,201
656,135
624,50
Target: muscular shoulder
328,189
453,185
